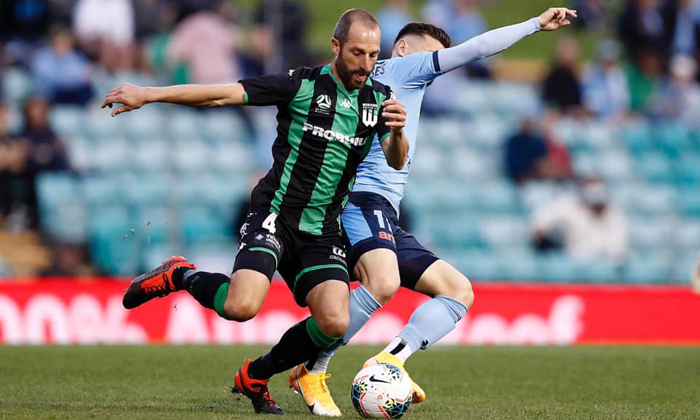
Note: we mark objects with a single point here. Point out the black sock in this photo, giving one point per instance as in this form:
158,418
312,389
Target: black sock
201,285
294,347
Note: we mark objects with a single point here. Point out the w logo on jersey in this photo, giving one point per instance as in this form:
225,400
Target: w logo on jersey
369,114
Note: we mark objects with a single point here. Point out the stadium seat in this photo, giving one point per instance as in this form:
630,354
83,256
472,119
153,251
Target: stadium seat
688,170
146,125
202,224
224,126
184,123
687,235
111,154
598,271
17,84
101,191
481,266
637,137
647,269
147,190
650,234
683,265
149,155
519,265
557,268
98,125
62,212
671,138
689,202
496,197
113,244
654,167
155,225
504,233
67,121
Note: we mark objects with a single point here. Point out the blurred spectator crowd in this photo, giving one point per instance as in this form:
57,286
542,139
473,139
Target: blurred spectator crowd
58,57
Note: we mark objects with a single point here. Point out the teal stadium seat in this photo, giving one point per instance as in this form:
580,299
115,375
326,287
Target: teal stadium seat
505,233
17,84
600,272
688,170
482,266
62,213
683,265
637,137
519,265
146,125
149,156
647,269
114,246
67,121
557,268
689,202
654,167
687,236
155,226
224,126
650,234
184,123
496,197
201,224
111,154
671,138
102,191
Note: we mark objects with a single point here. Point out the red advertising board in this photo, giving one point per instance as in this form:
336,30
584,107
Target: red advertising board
89,312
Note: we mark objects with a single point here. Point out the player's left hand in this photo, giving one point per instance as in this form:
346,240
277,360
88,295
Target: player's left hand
556,17
394,112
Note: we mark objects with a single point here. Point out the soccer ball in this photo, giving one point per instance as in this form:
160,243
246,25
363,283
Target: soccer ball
381,391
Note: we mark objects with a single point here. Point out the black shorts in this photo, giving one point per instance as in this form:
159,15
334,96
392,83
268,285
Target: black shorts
371,222
303,260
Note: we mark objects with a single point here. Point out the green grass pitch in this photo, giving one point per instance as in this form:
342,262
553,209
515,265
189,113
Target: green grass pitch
190,382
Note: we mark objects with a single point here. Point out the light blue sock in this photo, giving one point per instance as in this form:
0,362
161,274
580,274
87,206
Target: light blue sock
362,305
431,321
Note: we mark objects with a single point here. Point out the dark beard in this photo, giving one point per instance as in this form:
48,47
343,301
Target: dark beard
346,74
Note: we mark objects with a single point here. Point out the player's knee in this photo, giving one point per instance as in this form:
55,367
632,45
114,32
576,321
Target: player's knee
240,311
383,287
463,292
334,325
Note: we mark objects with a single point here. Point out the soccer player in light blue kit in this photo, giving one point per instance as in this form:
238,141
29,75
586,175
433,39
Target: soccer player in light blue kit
383,256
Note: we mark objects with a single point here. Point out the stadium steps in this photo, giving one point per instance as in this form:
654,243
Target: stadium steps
24,253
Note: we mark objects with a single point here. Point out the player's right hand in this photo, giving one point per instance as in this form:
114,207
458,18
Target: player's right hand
556,17
130,96
395,114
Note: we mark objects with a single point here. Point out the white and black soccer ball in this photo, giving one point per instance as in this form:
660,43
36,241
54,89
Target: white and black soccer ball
381,391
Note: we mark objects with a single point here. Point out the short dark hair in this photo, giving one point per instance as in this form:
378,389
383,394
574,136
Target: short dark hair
342,27
425,29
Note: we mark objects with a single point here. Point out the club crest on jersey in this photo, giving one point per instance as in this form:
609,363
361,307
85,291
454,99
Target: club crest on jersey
323,102
369,114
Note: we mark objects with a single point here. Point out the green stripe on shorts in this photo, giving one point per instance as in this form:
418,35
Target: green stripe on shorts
261,249
318,267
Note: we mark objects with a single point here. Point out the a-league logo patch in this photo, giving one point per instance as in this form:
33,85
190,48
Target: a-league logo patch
323,101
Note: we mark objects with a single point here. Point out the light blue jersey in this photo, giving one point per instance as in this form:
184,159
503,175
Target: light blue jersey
408,77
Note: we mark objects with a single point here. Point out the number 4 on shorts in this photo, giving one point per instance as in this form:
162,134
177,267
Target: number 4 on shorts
269,223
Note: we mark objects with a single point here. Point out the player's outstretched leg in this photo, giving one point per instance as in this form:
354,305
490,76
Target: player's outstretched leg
156,283
452,296
380,268
329,309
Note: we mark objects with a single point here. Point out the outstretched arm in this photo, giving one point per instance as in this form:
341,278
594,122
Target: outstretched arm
497,40
134,97
395,147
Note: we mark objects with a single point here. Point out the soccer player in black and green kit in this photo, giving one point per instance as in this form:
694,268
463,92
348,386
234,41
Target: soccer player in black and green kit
327,118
